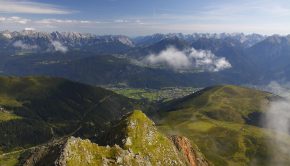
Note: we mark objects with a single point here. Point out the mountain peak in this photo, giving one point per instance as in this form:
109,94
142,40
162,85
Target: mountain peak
134,140
137,133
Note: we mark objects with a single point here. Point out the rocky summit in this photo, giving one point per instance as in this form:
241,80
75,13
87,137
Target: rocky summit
134,140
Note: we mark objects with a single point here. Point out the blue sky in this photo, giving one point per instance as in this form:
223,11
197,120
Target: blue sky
141,17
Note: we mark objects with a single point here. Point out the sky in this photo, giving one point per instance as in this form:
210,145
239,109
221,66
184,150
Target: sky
143,17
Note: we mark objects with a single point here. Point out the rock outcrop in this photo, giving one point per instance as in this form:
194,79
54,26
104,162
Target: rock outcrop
193,155
133,141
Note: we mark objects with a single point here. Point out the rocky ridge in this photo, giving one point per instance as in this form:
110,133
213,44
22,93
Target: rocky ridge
133,141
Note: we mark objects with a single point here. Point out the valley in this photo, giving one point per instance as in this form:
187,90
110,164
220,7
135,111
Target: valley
155,95
120,60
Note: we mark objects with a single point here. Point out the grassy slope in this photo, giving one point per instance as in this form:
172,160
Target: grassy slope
38,109
214,119
226,103
7,116
9,160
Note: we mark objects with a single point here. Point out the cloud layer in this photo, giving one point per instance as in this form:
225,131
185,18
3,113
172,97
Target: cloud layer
56,46
278,114
30,7
21,45
188,59
278,119
59,47
170,57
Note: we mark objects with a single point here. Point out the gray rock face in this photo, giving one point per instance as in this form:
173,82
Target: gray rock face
45,42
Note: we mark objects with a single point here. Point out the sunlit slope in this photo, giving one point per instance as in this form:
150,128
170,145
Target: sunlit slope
226,103
34,110
224,122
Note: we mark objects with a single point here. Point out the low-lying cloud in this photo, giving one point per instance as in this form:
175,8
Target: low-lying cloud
59,47
24,46
278,113
277,118
206,60
171,57
188,59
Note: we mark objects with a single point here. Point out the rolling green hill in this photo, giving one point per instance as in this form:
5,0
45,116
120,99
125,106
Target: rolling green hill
224,123
34,110
226,103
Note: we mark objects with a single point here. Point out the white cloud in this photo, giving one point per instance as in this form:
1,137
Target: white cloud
64,21
59,47
24,46
245,8
171,57
29,29
188,59
258,10
278,118
14,20
121,21
206,60
30,7
94,26
20,23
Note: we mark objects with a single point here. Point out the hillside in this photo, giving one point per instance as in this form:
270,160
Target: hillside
226,120
35,110
226,103
134,140
220,125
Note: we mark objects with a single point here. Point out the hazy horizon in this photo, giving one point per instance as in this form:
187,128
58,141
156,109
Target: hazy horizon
143,35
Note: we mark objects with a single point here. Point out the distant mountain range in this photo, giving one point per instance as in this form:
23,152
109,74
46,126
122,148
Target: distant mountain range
43,41
34,41
246,40
102,60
